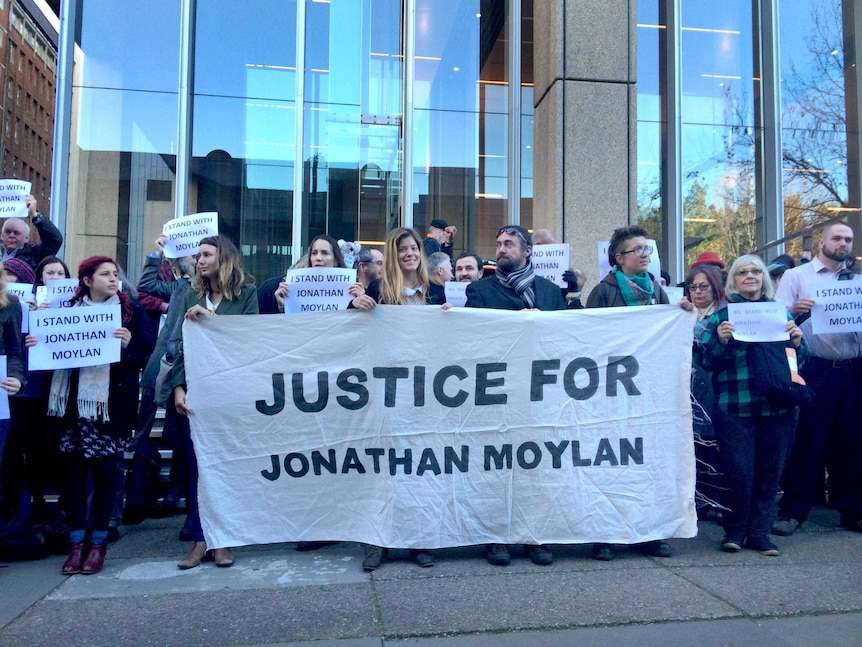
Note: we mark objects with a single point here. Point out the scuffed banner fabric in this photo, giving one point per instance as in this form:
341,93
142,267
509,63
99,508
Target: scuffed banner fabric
414,427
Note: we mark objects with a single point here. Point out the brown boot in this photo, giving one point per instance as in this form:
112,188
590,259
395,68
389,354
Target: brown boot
95,559
76,559
196,554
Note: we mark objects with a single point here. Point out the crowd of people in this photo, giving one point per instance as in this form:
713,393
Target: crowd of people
768,416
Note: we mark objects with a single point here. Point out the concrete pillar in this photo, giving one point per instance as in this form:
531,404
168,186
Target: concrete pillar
585,122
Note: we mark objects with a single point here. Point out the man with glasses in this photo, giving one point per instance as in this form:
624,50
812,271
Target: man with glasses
369,266
15,236
828,425
515,287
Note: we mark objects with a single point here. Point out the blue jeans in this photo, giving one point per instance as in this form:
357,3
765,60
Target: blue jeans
753,452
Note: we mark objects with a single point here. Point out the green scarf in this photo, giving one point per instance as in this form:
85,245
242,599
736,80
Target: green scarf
636,290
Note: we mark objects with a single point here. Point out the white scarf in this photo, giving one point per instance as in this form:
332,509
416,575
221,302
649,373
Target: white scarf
94,382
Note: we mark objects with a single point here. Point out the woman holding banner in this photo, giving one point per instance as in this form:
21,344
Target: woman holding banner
754,425
220,287
97,407
630,284
404,282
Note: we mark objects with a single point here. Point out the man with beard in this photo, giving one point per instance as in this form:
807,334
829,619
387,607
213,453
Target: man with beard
369,266
515,287
834,373
468,268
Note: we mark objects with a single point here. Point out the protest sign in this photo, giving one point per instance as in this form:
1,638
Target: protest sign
74,337
318,289
674,295
456,292
605,266
23,291
837,306
356,426
758,321
550,261
60,291
183,235
13,194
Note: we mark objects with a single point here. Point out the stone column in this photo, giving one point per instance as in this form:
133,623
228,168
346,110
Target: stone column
585,122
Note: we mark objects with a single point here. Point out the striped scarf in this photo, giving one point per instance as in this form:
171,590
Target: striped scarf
521,281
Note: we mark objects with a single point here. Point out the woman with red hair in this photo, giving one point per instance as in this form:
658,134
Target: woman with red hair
97,406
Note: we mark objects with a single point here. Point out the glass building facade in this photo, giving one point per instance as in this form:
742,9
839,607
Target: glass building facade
292,118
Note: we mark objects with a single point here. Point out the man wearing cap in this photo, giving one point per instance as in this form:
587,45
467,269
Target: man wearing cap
440,238
15,237
834,373
515,286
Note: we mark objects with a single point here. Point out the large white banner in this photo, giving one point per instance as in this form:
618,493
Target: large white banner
536,427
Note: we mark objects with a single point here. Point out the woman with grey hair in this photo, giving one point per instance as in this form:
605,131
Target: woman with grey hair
754,425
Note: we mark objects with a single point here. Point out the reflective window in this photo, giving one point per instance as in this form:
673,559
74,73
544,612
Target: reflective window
352,120
460,129
243,134
651,36
124,127
814,137
526,117
718,137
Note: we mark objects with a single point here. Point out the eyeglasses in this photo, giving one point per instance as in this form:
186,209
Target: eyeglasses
513,230
640,251
702,287
754,272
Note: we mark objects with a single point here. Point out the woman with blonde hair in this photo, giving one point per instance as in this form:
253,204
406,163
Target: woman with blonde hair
220,287
405,274
404,282
754,425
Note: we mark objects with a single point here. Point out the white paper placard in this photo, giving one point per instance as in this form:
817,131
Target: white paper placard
183,235
837,306
456,293
60,291
758,321
550,261
13,194
74,337
318,289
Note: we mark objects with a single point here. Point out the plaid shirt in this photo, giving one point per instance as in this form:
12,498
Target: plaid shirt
734,389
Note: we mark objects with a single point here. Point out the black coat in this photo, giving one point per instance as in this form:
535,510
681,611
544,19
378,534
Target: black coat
490,293
123,394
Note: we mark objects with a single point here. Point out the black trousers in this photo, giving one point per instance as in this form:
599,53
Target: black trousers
828,431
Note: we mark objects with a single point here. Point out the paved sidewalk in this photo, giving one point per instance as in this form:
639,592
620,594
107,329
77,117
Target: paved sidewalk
810,595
